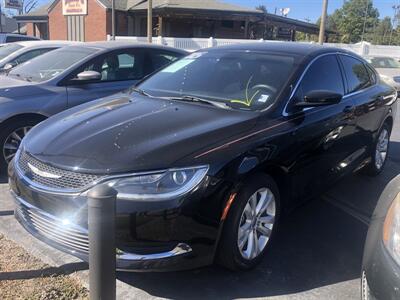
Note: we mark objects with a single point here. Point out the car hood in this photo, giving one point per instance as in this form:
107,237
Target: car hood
14,89
391,72
126,133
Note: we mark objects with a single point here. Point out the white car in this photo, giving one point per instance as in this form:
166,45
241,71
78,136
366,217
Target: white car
388,69
14,54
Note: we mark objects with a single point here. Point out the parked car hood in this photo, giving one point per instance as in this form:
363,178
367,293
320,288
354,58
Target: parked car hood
391,72
125,133
15,89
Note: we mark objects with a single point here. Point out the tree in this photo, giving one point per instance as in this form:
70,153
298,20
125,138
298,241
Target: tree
381,34
354,18
263,8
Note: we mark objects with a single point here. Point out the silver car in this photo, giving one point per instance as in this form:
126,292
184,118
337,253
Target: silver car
67,77
14,54
388,69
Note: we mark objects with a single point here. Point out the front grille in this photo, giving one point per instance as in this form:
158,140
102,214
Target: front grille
71,237
59,179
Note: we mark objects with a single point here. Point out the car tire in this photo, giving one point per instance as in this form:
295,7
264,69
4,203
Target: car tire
379,152
20,127
230,254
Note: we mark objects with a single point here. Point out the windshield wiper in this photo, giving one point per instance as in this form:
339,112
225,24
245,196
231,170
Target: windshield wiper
200,100
140,91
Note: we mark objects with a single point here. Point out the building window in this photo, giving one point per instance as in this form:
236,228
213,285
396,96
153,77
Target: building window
76,28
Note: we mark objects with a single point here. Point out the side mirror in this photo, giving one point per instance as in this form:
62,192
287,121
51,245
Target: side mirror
8,67
320,98
88,76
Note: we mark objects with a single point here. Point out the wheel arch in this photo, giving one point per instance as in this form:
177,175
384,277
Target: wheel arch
25,116
276,172
389,121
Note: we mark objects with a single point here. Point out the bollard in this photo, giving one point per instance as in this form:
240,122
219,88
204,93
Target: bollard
102,256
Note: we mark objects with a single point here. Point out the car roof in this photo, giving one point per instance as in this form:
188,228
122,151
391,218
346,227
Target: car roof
114,45
378,56
16,35
41,44
299,49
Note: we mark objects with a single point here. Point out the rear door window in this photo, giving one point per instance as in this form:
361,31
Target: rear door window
356,74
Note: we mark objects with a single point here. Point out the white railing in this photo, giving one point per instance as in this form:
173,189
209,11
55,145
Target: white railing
190,44
193,44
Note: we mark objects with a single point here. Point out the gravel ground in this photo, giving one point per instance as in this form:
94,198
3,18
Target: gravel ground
25,277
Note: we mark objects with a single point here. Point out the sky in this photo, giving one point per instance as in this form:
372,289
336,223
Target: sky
311,9
303,9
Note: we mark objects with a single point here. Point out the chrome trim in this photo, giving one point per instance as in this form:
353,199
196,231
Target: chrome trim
81,241
179,249
286,114
41,173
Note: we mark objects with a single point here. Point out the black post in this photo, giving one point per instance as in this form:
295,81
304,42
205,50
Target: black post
102,277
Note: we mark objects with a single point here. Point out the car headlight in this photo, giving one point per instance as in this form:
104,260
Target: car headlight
162,185
391,230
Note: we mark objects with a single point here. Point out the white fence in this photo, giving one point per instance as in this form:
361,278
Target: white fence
193,44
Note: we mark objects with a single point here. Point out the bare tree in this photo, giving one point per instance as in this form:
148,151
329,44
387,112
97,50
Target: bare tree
28,6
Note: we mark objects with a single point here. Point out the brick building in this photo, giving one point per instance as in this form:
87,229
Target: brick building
90,20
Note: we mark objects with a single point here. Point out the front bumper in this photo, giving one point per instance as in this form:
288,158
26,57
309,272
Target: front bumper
164,238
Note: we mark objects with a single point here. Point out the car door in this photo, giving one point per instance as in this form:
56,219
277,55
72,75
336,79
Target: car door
323,134
119,70
369,98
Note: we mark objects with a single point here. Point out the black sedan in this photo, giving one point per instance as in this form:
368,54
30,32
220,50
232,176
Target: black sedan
207,154
381,262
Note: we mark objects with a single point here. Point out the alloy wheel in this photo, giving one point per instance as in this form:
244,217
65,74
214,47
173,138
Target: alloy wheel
381,148
256,223
13,141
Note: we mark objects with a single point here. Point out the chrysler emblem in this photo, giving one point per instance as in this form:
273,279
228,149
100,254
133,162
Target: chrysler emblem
41,173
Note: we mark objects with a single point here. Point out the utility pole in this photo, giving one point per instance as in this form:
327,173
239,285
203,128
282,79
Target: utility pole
1,19
323,22
396,11
150,21
113,20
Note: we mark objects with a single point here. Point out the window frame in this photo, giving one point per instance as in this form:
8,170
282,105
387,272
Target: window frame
370,71
303,74
68,80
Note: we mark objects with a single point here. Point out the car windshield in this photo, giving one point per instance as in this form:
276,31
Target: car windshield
8,49
384,63
48,66
239,79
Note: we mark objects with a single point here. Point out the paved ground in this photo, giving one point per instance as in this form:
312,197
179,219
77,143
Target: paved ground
317,254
